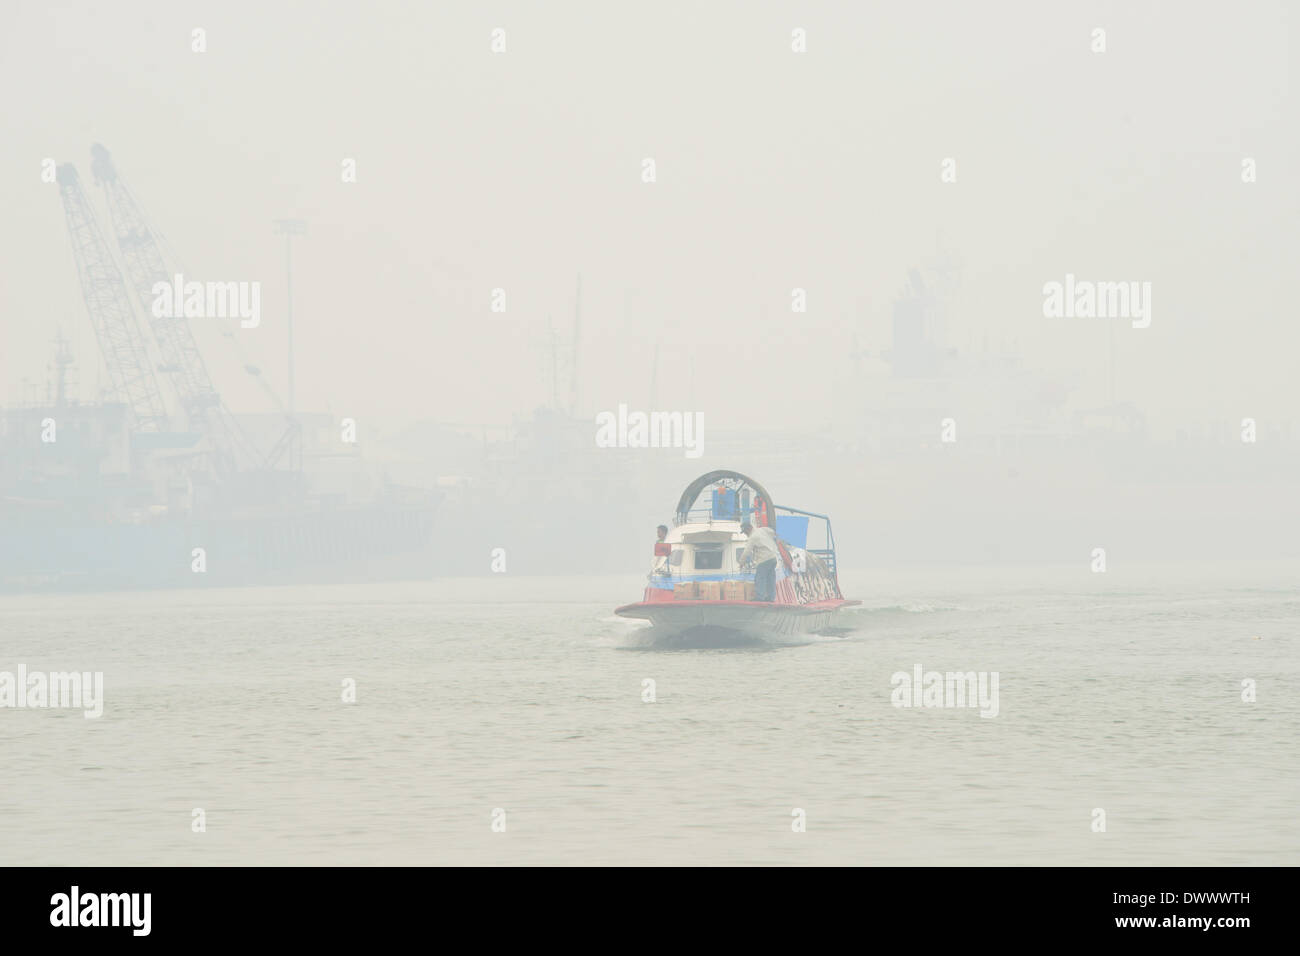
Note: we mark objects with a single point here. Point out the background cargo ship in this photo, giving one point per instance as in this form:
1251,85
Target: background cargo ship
160,484
100,508
1038,467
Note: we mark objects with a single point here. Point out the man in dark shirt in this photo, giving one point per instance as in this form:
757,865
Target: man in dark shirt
662,550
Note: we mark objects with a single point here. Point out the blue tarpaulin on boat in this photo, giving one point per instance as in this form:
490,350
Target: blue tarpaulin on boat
793,530
724,503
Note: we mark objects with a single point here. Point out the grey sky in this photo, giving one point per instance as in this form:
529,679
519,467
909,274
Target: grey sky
775,170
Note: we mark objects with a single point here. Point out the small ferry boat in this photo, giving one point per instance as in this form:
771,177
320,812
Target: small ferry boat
734,561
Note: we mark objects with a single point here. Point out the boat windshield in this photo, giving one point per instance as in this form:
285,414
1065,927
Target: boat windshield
708,557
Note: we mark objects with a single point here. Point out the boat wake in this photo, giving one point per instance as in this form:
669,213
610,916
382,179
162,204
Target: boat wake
909,608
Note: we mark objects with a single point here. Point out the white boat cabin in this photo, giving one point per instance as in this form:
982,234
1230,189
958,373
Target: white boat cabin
706,548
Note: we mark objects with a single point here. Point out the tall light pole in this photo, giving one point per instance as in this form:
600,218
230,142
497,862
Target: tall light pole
290,228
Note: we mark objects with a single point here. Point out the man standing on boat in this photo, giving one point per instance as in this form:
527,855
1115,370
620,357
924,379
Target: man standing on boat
762,550
662,550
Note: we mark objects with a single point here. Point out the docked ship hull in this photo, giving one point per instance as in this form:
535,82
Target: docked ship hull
362,543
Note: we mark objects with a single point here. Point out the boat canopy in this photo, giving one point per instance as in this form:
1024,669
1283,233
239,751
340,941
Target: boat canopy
735,497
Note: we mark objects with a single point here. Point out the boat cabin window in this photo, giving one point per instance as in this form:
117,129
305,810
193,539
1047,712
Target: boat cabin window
708,557
675,559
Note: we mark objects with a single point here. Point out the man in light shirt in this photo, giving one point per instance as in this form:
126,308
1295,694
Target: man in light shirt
761,550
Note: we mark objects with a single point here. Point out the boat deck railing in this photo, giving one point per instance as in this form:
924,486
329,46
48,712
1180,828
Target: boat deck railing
826,555
707,515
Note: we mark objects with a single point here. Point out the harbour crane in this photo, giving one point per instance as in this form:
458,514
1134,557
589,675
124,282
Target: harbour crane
121,340
181,360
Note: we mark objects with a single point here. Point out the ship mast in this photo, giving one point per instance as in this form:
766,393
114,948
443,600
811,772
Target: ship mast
62,359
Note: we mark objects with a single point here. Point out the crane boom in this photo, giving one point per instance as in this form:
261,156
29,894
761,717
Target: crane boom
121,340
181,359
145,266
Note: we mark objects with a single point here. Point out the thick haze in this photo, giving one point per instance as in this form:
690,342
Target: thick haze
370,631
775,170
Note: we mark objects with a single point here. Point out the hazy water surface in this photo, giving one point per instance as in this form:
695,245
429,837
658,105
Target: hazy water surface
1116,691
